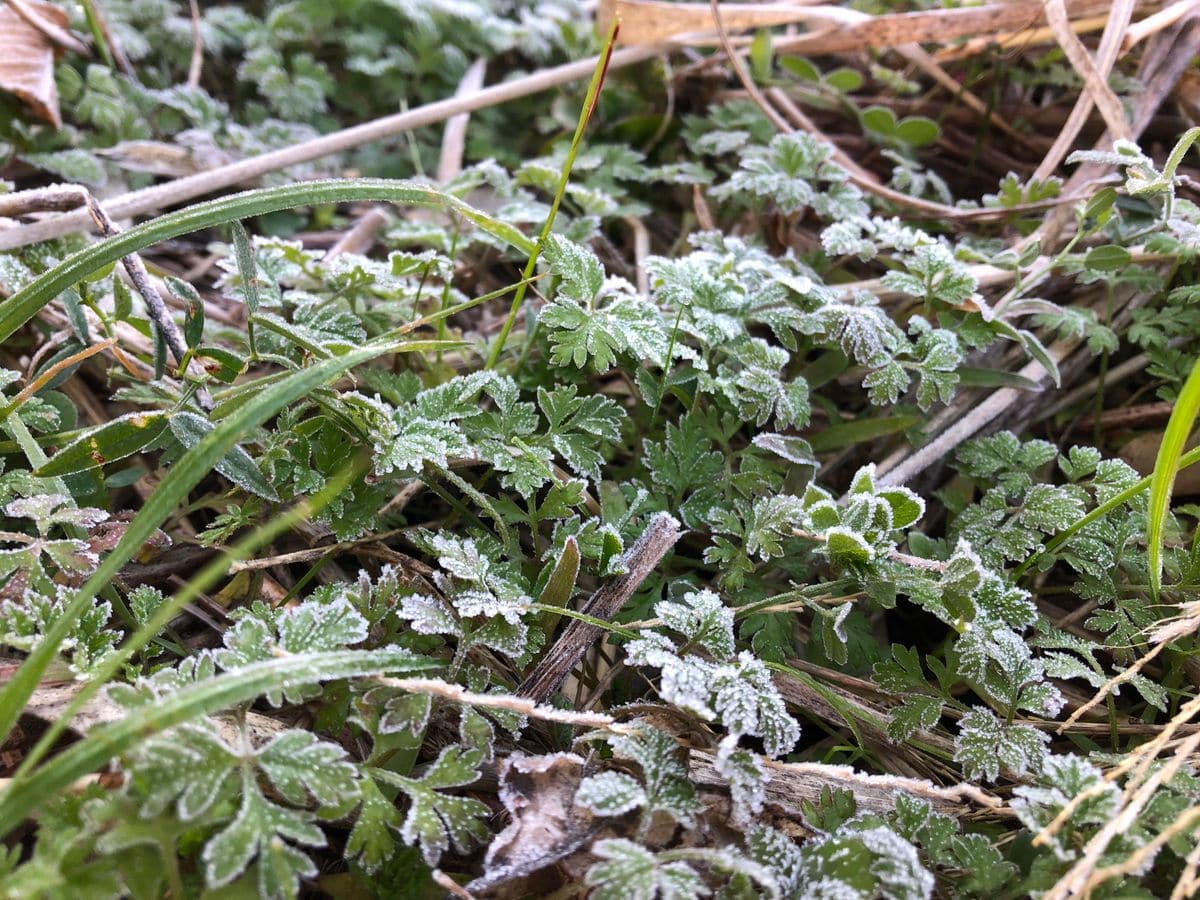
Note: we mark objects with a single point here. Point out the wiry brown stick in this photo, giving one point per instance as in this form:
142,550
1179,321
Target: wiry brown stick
197,64
792,785
1164,62
69,196
1094,73
553,668
966,417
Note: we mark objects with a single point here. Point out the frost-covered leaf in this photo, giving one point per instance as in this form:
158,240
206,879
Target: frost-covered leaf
664,777
746,776
610,794
270,833
630,872
703,619
917,713
435,819
985,744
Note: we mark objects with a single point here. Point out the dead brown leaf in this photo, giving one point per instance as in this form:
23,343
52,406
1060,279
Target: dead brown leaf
539,794
27,58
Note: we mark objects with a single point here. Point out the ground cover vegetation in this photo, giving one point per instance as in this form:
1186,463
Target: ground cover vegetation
754,465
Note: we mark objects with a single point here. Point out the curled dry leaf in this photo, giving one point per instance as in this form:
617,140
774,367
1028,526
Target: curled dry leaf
27,59
539,794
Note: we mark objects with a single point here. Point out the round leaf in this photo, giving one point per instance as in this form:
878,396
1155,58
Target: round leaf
918,131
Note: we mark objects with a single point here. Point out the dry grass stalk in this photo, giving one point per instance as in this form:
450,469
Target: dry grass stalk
522,705
654,21
1085,875
1095,80
651,21
181,190
640,560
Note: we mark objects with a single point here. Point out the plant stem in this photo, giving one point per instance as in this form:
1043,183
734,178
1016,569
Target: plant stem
589,105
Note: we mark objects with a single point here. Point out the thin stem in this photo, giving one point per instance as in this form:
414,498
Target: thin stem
589,105
1189,458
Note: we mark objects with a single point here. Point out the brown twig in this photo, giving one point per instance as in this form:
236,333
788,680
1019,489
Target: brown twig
454,136
197,64
553,668
42,380
941,25
71,196
1095,80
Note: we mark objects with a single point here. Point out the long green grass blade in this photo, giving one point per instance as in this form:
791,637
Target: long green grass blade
1166,467
25,303
183,476
195,586
585,115
1188,459
205,697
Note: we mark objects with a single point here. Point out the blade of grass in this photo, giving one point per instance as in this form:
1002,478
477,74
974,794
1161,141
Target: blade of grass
25,303
1166,467
585,115
183,476
196,585
242,685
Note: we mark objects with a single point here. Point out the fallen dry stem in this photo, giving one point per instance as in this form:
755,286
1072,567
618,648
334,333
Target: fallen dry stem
522,705
556,664
54,33
190,187
1094,73
1081,877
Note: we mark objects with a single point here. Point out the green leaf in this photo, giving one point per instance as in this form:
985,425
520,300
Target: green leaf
561,583
113,440
24,304
918,131
878,118
907,507
267,830
371,841
918,712
237,465
630,872
247,268
761,55
610,794
846,434
1107,258
973,376
211,695
225,367
846,547
985,744
170,493
843,80
71,165
435,819
193,324
802,68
